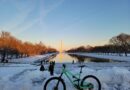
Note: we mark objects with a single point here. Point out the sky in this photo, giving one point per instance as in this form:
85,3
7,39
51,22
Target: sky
74,22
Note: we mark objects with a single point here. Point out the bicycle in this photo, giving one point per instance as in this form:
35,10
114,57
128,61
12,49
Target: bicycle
77,82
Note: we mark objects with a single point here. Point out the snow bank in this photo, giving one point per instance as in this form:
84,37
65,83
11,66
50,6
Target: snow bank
103,56
31,59
30,78
111,79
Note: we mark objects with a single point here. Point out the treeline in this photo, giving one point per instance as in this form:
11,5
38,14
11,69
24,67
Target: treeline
119,44
11,47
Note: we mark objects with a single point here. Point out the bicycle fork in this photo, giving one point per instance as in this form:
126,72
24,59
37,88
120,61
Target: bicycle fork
56,87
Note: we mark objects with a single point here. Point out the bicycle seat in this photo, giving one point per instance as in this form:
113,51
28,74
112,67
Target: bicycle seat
81,66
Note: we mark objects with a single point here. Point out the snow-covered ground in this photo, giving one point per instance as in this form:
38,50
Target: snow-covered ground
105,56
25,76
31,59
29,77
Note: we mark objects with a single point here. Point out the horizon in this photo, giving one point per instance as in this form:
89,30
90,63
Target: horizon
74,22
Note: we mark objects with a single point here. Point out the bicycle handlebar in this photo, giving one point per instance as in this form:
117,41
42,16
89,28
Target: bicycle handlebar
81,66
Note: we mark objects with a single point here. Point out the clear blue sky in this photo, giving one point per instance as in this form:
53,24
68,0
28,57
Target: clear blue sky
75,22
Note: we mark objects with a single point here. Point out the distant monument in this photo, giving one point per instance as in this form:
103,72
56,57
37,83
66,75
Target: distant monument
61,51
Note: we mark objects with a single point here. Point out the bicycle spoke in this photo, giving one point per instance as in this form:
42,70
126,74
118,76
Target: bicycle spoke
91,84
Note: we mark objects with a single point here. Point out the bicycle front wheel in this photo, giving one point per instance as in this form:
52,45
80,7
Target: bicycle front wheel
90,82
55,83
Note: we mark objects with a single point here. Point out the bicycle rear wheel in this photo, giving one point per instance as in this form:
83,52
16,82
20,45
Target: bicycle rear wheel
90,82
55,83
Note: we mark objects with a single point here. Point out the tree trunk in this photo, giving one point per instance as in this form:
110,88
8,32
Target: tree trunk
126,54
3,56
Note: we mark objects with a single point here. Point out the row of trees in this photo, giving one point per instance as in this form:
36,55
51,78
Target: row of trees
118,44
11,47
81,49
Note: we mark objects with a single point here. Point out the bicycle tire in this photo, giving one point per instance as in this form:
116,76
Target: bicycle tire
55,78
93,77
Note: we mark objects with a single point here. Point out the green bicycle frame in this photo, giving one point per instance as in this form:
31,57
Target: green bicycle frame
77,77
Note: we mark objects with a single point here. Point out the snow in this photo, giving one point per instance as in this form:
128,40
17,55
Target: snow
31,59
30,78
25,76
105,56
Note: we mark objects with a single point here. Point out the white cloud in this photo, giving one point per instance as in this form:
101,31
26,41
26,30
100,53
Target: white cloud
44,12
23,13
20,22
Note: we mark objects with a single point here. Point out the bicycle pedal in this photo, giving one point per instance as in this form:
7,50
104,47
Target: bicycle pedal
75,85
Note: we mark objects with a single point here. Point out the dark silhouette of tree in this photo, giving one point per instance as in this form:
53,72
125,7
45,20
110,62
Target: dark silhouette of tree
122,41
117,45
80,49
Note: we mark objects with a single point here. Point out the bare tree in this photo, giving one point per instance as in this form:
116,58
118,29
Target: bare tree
5,44
122,40
11,46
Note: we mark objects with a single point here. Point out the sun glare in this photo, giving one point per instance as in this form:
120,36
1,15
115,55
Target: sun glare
61,51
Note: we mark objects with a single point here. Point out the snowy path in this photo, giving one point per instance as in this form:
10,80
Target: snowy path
18,75
32,59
